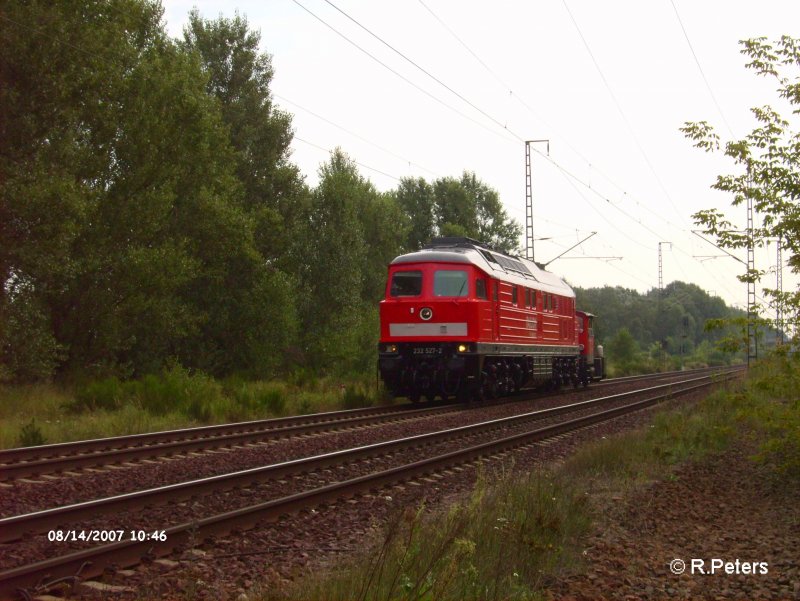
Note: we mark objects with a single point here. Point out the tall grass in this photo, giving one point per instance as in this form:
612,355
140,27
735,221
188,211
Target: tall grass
500,544
175,398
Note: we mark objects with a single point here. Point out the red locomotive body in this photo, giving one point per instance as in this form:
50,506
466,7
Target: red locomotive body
461,319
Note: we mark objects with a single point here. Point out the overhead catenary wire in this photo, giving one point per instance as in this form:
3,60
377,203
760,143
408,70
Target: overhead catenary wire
621,111
354,134
700,68
530,109
401,76
537,115
602,216
328,150
426,72
587,185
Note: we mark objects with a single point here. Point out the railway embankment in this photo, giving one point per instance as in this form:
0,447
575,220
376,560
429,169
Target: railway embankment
698,501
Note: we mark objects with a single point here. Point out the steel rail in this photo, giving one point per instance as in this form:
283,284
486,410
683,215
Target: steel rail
7,456
175,447
92,562
15,527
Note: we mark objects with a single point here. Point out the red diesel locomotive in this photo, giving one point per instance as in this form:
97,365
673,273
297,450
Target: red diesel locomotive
461,319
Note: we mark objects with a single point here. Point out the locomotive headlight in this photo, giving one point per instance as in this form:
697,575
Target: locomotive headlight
463,348
391,348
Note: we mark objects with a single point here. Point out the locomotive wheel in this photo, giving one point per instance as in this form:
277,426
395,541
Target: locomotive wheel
448,389
414,396
489,387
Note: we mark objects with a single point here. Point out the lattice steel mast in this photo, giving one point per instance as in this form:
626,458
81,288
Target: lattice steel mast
529,254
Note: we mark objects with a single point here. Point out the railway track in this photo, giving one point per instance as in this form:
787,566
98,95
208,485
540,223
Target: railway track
62,457
475,441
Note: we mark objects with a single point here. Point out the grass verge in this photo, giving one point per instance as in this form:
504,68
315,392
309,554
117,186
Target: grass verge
176,398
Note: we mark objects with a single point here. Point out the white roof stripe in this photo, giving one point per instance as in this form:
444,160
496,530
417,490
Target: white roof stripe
539,279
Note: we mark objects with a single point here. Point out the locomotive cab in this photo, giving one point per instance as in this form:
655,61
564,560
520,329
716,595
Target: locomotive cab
430,317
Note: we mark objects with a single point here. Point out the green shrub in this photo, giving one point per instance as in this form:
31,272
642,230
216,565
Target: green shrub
304,405
108,394
355,396
196,395
781,449
775,413
273,399
303,377
31,435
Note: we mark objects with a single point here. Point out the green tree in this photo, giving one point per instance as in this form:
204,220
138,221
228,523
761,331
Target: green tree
124,236
239,75
415,198
623,349
385,228
468,207
768,165
168,198
332,277
274,197
65,91
455,210
493,224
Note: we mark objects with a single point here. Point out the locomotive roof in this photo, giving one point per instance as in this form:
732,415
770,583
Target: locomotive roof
515,270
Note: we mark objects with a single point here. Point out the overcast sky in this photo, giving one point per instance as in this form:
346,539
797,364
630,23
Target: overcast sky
608,83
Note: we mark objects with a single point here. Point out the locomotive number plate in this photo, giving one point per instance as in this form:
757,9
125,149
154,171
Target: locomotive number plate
428,350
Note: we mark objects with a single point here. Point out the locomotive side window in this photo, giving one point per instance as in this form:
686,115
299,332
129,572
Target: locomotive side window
514,295
527,297
450,283
406,283
480,288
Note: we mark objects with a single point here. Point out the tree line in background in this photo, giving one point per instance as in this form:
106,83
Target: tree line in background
662,328
150,213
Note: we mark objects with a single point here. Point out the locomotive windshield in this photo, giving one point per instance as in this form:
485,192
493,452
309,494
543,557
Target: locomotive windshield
450,283
406,283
